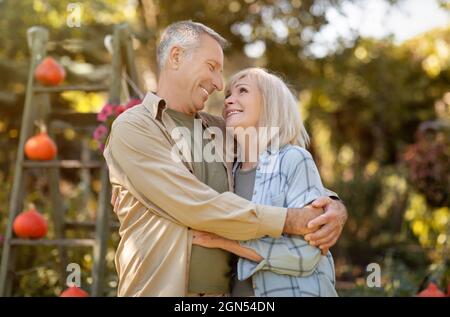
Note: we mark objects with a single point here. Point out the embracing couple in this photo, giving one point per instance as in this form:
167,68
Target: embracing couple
243,226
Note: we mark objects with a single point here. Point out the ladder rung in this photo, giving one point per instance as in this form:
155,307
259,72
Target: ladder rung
63,164
88,224
76,119
87,88
57,242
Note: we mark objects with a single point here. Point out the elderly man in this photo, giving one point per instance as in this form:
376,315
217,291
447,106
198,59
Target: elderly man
158,198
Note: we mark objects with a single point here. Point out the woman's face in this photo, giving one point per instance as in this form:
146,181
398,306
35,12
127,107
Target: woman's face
243,104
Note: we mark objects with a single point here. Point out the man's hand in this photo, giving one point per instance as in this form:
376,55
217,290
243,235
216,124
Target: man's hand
297,220
331,223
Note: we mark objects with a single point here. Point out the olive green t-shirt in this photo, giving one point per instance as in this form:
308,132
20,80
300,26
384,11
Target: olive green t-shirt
244,183
209,269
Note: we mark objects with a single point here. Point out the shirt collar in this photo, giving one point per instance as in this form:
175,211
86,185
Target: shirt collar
155,105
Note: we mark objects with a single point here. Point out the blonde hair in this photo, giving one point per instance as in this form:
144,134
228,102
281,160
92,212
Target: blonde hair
280,107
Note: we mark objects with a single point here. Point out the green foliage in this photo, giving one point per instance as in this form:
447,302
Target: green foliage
376,95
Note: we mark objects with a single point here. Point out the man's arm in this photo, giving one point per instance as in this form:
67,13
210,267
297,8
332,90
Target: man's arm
145,159
297,220
280,257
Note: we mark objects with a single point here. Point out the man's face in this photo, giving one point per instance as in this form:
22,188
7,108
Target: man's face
200,73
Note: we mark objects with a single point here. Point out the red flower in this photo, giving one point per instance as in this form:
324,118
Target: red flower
100,132
119,109
107,110
133,102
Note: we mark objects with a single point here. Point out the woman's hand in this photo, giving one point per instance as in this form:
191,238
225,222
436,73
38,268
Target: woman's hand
207,240
213,241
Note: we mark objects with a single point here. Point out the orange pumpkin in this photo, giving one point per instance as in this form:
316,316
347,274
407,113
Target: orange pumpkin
41,147
30,224
431,291
74,292
49,72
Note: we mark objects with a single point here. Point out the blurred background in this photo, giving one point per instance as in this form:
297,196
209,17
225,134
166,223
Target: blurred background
373,78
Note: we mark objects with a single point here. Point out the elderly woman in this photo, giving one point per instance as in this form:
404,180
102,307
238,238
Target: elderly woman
282,173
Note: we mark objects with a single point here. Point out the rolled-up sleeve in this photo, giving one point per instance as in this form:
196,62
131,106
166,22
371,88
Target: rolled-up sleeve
145,159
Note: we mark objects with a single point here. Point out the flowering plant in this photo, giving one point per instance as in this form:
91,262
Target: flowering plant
106,116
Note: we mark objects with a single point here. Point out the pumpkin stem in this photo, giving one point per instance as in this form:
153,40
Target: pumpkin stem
31,206
41,125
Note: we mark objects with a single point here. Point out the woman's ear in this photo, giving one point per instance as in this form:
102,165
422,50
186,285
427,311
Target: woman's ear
175,56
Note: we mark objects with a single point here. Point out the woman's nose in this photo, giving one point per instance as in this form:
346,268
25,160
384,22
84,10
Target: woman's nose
229,100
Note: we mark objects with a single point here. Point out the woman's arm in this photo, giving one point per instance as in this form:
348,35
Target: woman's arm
211,240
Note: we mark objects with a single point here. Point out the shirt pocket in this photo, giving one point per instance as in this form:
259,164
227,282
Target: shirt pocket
277,199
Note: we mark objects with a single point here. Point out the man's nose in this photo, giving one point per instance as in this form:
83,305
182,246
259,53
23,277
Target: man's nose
218,82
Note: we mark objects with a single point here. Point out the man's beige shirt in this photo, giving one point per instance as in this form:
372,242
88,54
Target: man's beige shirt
160,199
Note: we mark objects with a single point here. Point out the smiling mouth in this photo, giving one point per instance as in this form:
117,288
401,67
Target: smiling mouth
233,112
206,91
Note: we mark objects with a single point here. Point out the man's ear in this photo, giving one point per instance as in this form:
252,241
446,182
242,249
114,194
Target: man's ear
175,56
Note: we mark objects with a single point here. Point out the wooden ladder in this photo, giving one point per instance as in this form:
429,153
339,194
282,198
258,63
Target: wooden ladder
37,106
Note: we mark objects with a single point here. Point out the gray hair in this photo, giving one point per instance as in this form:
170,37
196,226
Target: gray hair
186,34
